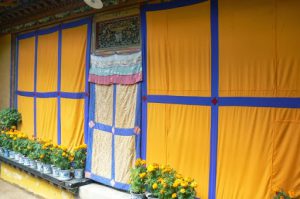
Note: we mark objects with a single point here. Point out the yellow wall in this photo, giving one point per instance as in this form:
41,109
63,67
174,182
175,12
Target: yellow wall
32,184
5,49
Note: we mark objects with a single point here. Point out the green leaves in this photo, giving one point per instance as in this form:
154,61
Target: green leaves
8,118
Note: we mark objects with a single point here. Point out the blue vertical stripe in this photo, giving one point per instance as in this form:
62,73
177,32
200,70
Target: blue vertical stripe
144,83
214,18
91,130
138,120
59,86
113,135
35,80
87,67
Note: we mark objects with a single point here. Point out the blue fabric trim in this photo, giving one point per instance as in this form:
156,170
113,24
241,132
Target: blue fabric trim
172,4
52,94
35,81
138,110
58,120
204,101
144,84
26,35
213,151
59,86
106,181
103,180
73,95
113,172
103,127
76,23
48,30
90,136
214,18
124,132
87,67
260,102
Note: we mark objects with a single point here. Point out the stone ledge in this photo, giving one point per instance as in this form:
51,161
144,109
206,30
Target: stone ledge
94,190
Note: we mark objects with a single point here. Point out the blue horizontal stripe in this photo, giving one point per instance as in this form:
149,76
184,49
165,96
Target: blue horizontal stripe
165,99
106,181
260,102
118,131
75,23
103,127
103,180
52,94
48,30
172,4
124,132
72,95
26,35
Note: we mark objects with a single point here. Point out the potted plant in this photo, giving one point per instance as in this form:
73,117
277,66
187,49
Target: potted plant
45,154
137,179
55,160
8,118
34,154
152,182
78,157
64,163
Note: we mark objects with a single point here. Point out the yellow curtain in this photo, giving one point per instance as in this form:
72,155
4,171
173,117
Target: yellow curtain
25,107
178,51
72,122
5,56
179,135
46,114
257,152
47,61
26,64
250,67
73,56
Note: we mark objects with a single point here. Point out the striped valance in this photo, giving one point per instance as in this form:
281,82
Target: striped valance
118,69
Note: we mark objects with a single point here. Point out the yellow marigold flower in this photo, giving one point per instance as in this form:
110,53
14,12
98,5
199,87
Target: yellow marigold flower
42,156
292,194
162,191
63,148
155,165
71,158
178,181
13,127
11,136
175,184
188,179
154,186
174,195
194,184
143,162
182,190
150,168
64,154
142,175
138,162
184,184
164,185
14,138
162,167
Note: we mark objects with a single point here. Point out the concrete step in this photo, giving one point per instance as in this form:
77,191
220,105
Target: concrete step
93,191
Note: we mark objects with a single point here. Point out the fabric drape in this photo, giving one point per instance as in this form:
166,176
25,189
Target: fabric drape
178,51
